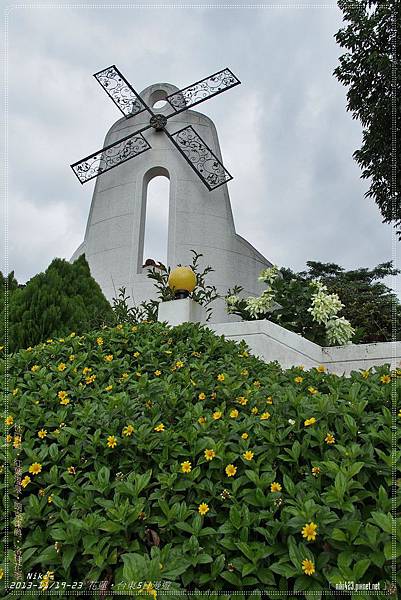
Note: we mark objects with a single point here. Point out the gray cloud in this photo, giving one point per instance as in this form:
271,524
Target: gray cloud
285,133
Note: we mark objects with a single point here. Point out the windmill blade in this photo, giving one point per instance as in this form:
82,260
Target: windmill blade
111,156
198,154
121,92
202,90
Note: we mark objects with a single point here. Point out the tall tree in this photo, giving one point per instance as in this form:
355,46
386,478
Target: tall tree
64,298
370,68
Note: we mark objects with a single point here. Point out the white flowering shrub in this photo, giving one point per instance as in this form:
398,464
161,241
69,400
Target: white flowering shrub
339,331
303,307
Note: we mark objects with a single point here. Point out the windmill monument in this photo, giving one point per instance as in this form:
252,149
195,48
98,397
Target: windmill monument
182,145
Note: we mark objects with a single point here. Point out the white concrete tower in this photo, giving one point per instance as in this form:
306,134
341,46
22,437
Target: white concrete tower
199,219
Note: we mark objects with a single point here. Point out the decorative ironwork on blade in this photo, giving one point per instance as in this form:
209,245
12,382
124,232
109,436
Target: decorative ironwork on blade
120,91
110,156
202,90
204,162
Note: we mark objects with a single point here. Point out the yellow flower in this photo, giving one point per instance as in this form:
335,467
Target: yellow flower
17,441
108,388
90,379
1,573
186,466
320,369
61,340
15,391
71,357
9,438
25,481
50,499
264,416
157,373
179,364
315,471
29,349
385,379
244,372
248,455
35,468
134,329
72,470
310,421
203,508
62,395
309,531
231,470
308,567
220,377
399,413
42,433
217,415
86,370
365,374
65,401
256,384
138,373
35,368
119,326
209,454
112,441
159,427
242,400
245,354
61,367
275,487
99,341
108,358
9,420
197,354
41,492
201,420
254,410
49,341
136,354
202,396
298,379
128,430
330,439
312,390
72,334
234,413
245,436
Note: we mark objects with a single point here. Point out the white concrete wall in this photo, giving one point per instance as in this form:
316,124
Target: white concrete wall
274,343
198,219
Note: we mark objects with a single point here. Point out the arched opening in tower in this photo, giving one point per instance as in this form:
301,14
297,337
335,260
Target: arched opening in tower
156,220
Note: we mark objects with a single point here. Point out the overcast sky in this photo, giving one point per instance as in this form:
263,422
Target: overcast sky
285,134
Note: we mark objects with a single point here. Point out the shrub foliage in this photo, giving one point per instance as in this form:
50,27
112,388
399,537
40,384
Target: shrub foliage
119,422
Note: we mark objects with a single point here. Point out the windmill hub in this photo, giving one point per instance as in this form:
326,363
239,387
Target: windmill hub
158,122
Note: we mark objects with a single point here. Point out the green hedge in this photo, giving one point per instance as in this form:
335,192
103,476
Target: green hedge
129,513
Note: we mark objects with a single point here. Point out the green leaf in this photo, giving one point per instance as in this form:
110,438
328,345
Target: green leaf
232,578
360,568
384,521
338,535
340,485
354,469
284,568
235,517
289,485
67,556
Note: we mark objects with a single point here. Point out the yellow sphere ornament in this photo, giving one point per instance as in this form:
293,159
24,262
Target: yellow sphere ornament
182,280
